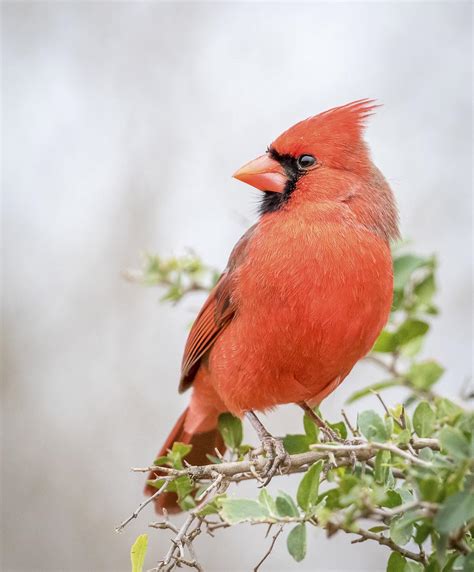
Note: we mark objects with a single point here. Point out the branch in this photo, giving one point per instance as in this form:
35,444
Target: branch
221,474
269,551
383,540
143,505
234,470
372,448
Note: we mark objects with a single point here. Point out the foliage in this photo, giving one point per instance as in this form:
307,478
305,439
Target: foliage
178,276
138,552
407,470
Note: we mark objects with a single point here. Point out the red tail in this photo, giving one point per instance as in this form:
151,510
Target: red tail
203,444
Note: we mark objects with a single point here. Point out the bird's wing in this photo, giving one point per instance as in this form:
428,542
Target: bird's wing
215,315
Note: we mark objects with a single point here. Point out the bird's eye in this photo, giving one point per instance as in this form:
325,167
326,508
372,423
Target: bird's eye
305,162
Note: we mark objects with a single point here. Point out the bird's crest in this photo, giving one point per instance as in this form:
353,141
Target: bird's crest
331,133
352,114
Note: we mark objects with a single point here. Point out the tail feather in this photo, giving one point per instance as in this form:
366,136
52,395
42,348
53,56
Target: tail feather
203,444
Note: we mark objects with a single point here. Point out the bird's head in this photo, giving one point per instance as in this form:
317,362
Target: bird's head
324,158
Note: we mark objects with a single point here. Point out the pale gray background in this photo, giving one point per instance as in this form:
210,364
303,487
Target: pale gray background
122,124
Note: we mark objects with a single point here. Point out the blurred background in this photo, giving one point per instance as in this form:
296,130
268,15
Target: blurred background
122,125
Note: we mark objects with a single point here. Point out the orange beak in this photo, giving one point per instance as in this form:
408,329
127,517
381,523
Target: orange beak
263,173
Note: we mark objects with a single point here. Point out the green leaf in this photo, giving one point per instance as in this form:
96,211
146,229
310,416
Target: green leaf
295,444
174,294
157,483
426,289
138,552
447,410
230,428
267,501
403,268
234,511
371,388
403,438
455,512
382,466
285,505
413,566
308,489
183,486
407,495
409,330
187,503
296,542
424,420
177,453
401,528
392,499
433,565
469,563
425,374
347,482
426,454
380,528
413,347
310,428
212,507
453,443
454,562
422,532
372,426
396,563
429,488
340,428
385,343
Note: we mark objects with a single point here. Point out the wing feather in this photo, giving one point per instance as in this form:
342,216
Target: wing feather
215,315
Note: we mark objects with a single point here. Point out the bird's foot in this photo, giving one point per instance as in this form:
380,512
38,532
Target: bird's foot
271,447
329,434
276,455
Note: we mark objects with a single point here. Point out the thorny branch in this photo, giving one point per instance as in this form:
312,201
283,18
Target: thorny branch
220,475
383,540
143,505
236,471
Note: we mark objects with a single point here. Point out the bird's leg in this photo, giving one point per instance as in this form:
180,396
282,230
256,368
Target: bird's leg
272,446
328,432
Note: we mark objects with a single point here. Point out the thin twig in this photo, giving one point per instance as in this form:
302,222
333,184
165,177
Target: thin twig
268,552
383,540
387,410
391,512
353,430
141,506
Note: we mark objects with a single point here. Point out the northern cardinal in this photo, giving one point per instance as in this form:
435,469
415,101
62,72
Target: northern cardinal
306,291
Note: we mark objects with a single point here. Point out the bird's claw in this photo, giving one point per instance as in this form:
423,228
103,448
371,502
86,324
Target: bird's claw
351,454
330,435
277,458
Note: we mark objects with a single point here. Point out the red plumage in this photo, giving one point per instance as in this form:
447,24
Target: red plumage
307,289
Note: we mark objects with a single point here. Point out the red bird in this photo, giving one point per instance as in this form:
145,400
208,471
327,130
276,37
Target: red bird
306,291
